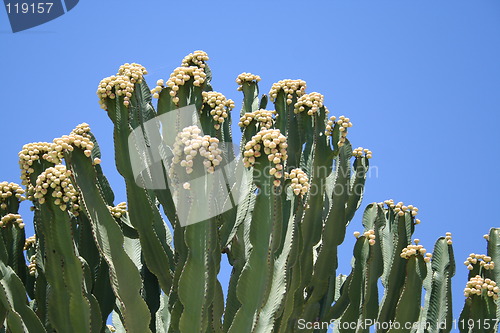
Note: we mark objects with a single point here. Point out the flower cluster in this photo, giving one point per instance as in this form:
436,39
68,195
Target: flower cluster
197,58
274,144
289,87
329,125
29,242
121,84
64,194
246,77
477,285
312,101
189,143
78,138
219,104
413,250
53,152
448,238
299,181
7,190
119,210
178,78
263,117
401,209
369,234
32,152
14,219
484,261
343,122
358,152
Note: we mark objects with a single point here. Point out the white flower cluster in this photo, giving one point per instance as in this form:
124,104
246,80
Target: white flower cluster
358,152
448,238
221,106
189,143
369,234
413,250
246,77
8,190
53,152
64,194
119,210
197,58
484,260
14,219
343,122
274,147
78,138
263,117
32,152
401,209
121,84
299,181
313,101
289,87
329,125
477,285
29,242
178,78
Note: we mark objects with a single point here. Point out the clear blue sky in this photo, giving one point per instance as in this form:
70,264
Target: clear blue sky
419,79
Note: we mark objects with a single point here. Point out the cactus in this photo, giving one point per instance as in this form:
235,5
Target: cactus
279,213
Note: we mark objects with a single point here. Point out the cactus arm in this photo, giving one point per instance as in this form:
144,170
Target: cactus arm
333,229
361,166
102,181
372,221
13,240
63,272
494,252
238,255
250,97
11,318
438,309
266,320
396,272
352,312
244,210
255,279
96,318
143,213
321,164
103,291
13,295
197,282
162,315
362,289
193,282
216,310
125,279
408,308
294,295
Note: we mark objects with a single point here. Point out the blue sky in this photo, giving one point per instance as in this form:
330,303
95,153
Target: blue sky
419,79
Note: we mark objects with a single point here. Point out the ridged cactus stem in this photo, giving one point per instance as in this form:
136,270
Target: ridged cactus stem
125,279
63,272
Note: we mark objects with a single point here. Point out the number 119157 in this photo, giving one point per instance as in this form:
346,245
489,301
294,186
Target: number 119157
29,8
